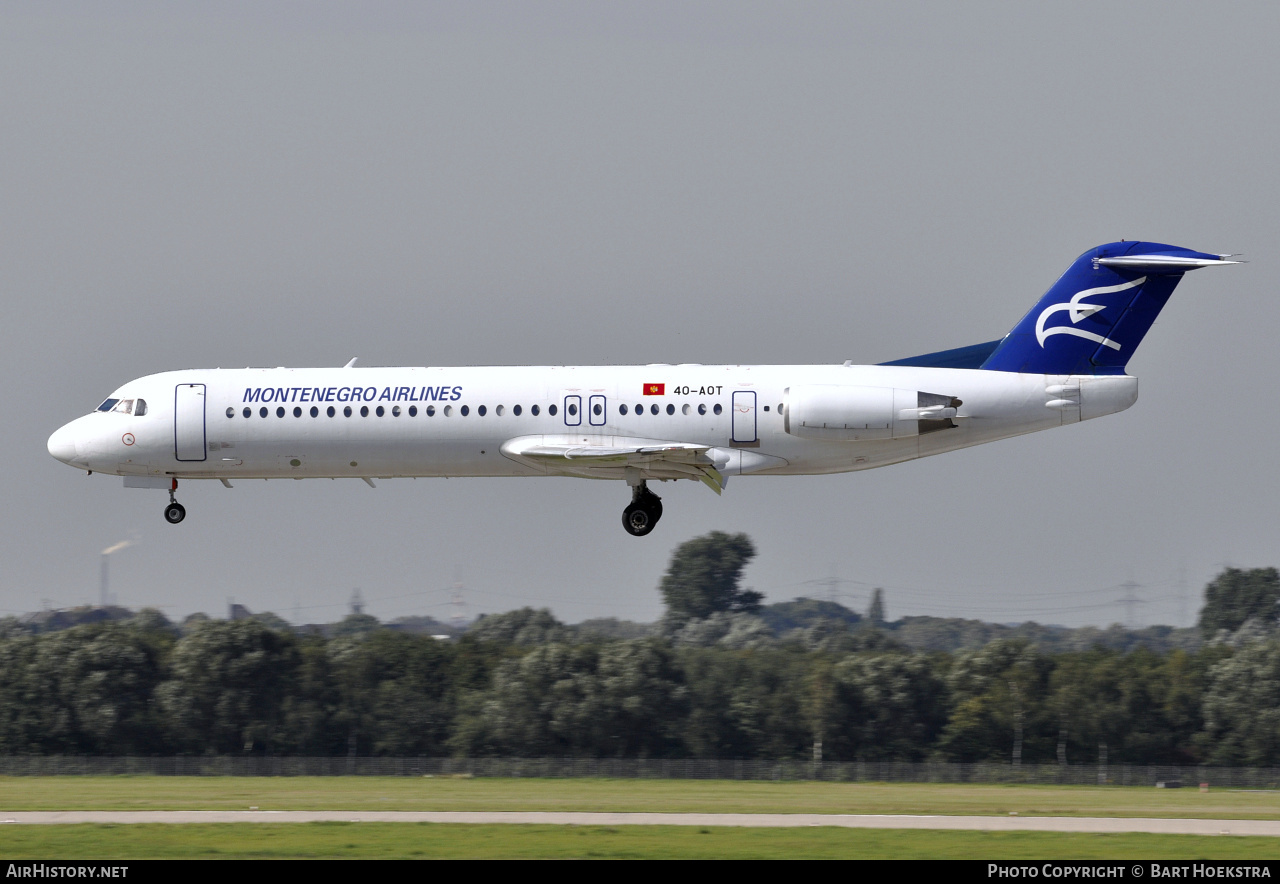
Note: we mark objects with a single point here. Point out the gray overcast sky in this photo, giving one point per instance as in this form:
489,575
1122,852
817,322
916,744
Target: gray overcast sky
487,183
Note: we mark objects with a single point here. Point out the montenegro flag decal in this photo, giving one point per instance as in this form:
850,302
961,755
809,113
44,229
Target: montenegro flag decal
655,389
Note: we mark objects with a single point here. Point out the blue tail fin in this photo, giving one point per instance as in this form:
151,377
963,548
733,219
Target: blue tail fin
1093,318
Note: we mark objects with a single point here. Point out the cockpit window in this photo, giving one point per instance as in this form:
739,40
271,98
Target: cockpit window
124,406
108,405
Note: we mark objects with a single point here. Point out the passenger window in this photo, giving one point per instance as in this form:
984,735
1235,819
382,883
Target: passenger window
346,411
231,412
395,411
248,411
597,409
465,410
684,409
717,409
329,411
140,408
262,412
671,409
297,411
573,409
639,409
448,410
431,411
413,411
702,408
280,411
481,410
380,411
315,412
622,409
364,411
551,410
499,410
535,410
515,409
653,409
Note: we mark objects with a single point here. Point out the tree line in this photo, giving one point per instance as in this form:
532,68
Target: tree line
721,675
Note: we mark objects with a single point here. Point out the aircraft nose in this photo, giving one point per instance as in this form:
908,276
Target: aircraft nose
62,445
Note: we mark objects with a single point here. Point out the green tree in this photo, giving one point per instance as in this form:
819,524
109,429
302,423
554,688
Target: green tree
998,709
620,699
311,708
523,627
803,613
757,703
1236,595
86,689
355,625
886,707
412,712
227,687
704,576
1242,707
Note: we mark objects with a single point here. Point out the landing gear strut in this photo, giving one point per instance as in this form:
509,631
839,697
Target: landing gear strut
644,511
174,512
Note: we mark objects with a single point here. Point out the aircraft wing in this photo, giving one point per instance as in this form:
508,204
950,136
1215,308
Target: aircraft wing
617,458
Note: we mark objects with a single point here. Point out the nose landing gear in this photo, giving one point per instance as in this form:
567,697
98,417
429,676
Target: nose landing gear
174,512
643,513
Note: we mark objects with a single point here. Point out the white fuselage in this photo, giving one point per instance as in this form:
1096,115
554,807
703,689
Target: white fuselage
480,421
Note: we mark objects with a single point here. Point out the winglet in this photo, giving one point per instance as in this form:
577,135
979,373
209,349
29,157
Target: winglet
352,363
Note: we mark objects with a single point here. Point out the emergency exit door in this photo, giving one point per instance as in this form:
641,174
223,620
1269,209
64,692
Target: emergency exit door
744,417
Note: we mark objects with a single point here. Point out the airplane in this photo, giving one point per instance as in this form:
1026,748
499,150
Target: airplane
1064,362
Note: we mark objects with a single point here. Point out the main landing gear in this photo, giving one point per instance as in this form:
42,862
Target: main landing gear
174,512
644,511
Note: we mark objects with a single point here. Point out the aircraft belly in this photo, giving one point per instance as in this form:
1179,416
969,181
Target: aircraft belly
300,457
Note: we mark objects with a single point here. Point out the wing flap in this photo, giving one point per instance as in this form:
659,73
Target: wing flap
620,459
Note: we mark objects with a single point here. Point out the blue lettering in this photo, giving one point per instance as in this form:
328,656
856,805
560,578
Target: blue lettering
402,393
293,393
370,393
268,394
328,394
251,394
306,394
344,394
457,393
386,394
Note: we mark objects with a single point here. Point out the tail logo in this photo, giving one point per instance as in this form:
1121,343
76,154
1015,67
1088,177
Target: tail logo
1076,311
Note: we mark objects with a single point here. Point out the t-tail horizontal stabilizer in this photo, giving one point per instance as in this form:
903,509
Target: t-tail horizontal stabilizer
1093,318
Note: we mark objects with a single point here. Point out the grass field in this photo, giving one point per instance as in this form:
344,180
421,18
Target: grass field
421,840
435,841
711,796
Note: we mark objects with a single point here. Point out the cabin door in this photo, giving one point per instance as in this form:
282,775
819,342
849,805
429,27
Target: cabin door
188,422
